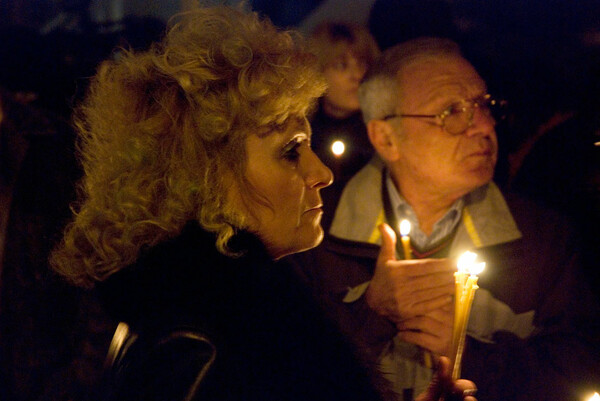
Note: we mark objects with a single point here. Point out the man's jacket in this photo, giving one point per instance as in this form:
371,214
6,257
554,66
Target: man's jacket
532,331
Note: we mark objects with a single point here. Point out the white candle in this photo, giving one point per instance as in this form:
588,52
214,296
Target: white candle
404,231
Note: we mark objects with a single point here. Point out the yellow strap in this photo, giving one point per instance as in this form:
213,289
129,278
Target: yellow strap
468,221
376,234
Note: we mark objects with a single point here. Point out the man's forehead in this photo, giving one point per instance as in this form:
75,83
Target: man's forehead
438,75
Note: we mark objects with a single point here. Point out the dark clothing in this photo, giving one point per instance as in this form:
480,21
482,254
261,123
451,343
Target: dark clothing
533,332
358,151
562,169
555,363
271,341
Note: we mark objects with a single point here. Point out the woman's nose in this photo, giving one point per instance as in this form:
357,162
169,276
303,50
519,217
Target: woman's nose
357,71
317,175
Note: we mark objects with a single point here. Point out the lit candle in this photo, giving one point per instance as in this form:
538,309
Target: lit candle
404,231
338,148
465,285
595,397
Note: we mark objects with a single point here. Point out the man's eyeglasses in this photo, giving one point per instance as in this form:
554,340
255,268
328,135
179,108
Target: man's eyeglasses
458,117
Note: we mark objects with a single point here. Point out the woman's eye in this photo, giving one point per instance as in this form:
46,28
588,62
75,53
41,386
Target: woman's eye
291,152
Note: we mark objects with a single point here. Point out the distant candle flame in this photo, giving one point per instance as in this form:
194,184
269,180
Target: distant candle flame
466,264
595,397
338,148
404,227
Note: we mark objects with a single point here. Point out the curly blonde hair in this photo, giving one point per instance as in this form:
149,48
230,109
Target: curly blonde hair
162,135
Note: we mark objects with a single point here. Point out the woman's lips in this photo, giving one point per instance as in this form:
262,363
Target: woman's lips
318,208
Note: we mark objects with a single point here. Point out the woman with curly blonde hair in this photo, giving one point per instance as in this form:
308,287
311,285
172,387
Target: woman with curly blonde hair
198,176
163,133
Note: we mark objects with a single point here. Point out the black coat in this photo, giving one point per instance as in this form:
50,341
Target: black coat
271,342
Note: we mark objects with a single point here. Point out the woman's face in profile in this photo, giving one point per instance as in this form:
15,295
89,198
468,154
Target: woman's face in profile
286,173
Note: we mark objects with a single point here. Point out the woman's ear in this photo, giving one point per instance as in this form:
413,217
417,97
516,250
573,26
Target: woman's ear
384,139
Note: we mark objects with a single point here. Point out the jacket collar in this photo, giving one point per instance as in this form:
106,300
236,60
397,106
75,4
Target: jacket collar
486,217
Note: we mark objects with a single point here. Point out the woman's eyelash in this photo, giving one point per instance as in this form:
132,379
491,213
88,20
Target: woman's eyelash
290,151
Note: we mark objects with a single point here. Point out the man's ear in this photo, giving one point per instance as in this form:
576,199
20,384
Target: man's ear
384,139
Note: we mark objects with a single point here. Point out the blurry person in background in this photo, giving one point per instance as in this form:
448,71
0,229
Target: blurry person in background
199,175
345,51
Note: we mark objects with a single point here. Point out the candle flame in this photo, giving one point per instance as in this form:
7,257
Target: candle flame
466,264
404,227
476,268
595,397
338,148
465,260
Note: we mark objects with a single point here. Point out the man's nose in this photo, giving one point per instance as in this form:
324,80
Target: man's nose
481,121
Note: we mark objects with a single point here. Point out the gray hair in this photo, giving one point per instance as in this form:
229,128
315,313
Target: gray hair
379,91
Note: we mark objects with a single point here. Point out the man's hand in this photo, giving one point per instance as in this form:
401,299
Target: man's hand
432,331
443,388
414,294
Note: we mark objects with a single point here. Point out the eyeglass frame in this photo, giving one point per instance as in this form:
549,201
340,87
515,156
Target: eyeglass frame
478,102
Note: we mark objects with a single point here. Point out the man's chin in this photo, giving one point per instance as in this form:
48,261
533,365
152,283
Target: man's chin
472,180
481,172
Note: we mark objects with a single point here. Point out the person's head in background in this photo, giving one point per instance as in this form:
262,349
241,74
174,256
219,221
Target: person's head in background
208,126
345,52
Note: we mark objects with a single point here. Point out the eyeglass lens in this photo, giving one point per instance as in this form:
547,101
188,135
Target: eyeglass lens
460,118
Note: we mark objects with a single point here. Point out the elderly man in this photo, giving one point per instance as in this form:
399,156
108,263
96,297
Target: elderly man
431,121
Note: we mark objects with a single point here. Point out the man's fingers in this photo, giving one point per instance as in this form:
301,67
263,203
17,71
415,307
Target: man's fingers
423,267
464,390
388,244
400,309
444,369
438,282
434,297
426,332
426,341
422,302
423,340
442,384
434,322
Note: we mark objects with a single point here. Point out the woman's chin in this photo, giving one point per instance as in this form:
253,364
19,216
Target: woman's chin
300,244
